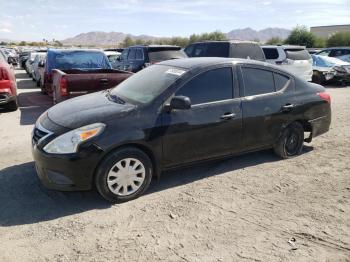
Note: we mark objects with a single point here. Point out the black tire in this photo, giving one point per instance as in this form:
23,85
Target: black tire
38,83
12,106
107,164
291,141
318,78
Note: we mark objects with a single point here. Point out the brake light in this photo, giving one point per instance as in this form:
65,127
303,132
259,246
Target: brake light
3,74
48,77
63,86
324,96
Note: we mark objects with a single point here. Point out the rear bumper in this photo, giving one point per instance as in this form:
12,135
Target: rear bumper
320,125
6,98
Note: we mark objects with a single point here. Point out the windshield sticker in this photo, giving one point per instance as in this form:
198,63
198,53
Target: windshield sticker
174,71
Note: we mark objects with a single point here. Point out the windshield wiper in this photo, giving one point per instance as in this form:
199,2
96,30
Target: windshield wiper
114,98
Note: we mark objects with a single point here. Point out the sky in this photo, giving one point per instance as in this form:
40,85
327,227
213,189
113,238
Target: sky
34,20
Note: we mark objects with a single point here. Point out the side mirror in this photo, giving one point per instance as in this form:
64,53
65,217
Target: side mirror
180,103
41,64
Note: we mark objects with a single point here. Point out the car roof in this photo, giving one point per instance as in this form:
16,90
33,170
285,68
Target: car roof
51,50
226,41
157,47
195,62
335,47
284,46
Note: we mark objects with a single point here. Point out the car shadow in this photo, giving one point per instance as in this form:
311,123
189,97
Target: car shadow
23,200
179,177
32,105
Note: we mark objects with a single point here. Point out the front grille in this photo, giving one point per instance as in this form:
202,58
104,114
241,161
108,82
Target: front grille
40,133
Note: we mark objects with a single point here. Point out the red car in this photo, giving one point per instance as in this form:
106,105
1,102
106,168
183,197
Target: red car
8,87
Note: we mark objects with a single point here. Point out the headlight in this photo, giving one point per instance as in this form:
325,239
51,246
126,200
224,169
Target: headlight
339,69
69,142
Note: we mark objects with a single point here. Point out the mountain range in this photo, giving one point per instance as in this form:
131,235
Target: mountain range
98,38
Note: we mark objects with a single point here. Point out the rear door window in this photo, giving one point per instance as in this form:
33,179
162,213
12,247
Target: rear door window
297,54
257,81
166,55
271,53
132,54
210,86
219,49
139,54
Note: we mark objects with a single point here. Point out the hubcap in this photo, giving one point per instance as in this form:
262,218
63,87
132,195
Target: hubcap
292,143
126,177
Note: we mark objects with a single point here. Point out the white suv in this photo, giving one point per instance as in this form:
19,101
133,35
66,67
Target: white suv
295,59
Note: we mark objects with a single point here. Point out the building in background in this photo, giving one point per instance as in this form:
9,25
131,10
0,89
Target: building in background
327,31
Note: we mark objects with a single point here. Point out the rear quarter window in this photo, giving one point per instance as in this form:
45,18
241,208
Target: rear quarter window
297,54
280,81
271,53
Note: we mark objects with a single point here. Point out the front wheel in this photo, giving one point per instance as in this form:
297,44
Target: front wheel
124,175
291,141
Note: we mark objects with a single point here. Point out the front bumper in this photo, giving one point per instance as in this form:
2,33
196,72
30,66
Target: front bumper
71,172
6,98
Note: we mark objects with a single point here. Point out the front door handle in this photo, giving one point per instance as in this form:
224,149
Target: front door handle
287,107
228,116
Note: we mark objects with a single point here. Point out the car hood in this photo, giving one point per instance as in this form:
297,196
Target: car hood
87,109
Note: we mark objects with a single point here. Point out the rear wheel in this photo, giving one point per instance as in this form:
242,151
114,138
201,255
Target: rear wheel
291,142
124,175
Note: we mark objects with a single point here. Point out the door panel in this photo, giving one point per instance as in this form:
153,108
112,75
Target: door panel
202,132
264,115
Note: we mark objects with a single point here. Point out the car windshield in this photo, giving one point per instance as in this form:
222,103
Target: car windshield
326,61
149,83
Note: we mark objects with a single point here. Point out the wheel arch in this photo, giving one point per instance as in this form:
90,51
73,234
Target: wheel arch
145,149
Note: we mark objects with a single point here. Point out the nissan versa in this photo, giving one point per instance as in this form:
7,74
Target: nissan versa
172,114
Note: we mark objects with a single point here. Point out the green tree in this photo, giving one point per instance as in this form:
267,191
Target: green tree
22,43
339,39
128,41
300,35
274,41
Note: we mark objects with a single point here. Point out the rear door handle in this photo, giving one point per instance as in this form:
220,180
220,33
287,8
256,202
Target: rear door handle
287,107
228,116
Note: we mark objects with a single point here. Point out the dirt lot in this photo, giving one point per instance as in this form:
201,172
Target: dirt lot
243,209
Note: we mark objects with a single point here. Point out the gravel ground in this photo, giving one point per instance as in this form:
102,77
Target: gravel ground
249,208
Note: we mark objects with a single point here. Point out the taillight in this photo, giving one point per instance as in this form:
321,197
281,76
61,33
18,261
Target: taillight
48,77
324,96
3,74
63,86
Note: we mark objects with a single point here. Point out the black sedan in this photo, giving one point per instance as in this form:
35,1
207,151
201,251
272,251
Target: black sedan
171,114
